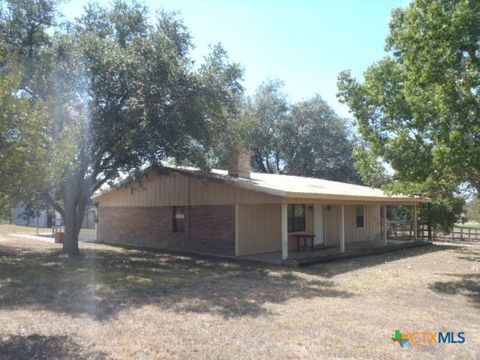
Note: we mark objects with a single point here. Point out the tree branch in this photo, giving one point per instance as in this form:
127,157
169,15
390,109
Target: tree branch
259,161
49,200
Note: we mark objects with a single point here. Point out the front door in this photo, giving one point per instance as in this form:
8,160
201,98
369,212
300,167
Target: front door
318,224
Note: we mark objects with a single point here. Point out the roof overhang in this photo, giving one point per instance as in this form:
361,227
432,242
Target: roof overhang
352,198
393,199
252,185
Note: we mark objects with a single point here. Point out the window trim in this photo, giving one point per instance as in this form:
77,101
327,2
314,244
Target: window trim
177,217
362,216
292,218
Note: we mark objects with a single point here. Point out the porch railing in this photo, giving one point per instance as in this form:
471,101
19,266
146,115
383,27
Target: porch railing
400,230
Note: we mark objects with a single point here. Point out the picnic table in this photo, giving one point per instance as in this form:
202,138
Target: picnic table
303,241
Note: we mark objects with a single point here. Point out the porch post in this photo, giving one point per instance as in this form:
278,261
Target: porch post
415,227
385,225
342,230
284,232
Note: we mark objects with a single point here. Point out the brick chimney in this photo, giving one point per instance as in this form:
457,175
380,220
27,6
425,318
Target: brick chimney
239,164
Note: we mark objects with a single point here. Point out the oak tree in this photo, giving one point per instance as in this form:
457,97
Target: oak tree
122,94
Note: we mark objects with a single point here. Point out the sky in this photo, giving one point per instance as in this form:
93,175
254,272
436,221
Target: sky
304,43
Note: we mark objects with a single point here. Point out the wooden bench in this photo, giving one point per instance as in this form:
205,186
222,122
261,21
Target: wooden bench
306,238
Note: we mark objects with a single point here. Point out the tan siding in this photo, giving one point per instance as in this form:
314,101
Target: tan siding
332,224
179,190
370,231
309,219
259,229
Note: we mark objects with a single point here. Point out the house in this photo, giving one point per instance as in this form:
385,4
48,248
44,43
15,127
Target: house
88,230
236,212
24,216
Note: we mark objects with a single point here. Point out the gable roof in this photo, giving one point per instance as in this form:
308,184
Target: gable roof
286,186
299,187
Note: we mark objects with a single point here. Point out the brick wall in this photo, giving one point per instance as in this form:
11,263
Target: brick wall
212,227
239,164
208,229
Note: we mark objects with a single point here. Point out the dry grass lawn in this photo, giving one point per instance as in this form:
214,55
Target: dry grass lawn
117,303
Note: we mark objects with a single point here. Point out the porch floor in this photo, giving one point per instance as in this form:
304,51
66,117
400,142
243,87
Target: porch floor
304,257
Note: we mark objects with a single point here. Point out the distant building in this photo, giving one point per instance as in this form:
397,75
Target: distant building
41,217
34,217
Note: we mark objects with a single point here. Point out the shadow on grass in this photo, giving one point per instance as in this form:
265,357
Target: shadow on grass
337,267
43,347
467,285
102,283
470,256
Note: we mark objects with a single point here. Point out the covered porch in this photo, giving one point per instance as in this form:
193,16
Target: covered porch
330,228
338,230
298,258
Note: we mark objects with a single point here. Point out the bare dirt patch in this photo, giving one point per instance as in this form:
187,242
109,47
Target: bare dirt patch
124,303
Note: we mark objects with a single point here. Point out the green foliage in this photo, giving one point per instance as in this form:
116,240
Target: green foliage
368,166
418,109
236,136
444,212
315,142
24,26
22,150
121,94
269,106
473,210
306,138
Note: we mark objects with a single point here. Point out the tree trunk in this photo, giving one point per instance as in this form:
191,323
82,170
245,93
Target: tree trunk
72,229
75,205
70,245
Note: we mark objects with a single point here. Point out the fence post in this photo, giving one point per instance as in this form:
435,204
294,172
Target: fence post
461,234
415,222
469,234
385,224
453,233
